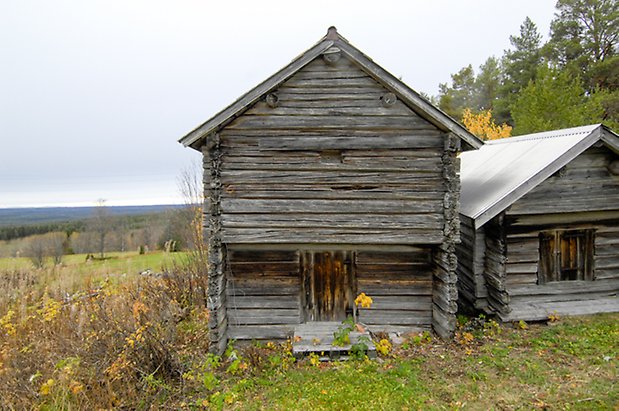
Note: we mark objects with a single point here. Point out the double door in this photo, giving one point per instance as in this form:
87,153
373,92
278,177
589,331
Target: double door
328,285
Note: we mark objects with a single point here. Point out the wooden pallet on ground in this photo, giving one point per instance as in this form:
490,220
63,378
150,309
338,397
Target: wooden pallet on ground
317,338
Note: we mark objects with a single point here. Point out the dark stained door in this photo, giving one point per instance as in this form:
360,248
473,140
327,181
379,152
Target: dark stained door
328,285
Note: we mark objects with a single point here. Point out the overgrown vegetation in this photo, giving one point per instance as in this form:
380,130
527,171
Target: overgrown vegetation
142,342
95,342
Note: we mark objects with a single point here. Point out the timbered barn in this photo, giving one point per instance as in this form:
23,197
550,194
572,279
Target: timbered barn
329,179
540,224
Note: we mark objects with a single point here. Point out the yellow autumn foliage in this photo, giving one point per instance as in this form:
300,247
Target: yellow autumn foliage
51,309
6,324
384,347
483,126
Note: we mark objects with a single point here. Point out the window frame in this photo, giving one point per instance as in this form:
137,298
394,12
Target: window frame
566,255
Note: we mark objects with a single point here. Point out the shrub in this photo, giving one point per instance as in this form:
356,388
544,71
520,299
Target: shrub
117,346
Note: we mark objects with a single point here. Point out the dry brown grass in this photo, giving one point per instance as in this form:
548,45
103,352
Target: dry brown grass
107,345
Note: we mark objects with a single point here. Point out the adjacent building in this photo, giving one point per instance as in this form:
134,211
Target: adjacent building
540,224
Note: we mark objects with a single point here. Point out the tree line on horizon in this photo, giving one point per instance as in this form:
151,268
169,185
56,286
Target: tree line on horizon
570,80
101,233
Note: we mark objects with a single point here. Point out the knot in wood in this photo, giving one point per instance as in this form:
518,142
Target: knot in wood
272,100
388,99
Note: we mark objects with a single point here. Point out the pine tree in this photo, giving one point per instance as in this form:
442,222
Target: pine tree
584,32
519,67
461,94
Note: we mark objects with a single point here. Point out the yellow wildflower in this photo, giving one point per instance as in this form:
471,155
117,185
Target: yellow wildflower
383,347
47,386
363,300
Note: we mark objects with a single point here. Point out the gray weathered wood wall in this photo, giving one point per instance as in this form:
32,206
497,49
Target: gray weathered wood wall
266,298
583,185
326,160
583,195
471,253
263,293
400,284
331,164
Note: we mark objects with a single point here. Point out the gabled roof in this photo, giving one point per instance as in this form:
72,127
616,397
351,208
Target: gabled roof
502,171
333,39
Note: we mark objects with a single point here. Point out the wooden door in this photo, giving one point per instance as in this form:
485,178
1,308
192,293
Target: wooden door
328,285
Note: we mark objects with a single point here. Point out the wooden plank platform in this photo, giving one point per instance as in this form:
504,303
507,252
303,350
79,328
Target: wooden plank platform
540,311
317,338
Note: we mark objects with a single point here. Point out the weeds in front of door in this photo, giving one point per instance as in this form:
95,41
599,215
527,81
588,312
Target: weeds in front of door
342,336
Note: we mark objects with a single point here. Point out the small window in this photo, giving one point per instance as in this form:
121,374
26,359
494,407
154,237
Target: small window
566,255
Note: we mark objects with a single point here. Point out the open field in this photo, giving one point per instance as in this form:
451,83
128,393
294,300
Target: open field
127,262
140,342
75,272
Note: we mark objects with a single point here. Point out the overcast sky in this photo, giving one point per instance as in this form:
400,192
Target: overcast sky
95,94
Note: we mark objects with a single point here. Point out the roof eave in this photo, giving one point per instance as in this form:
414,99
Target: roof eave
411,97
193,139
610,138
414,100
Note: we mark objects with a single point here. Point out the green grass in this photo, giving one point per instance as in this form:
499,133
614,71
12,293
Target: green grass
75,273
127,262
569,365
345,385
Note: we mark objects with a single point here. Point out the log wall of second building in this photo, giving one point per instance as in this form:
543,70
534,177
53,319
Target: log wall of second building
583,185
529,300
495,258
471,252
584,194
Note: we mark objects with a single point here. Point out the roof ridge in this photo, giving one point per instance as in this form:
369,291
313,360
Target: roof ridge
544,135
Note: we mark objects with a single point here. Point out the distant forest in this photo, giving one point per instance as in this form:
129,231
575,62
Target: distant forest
41,215
571,80
52,232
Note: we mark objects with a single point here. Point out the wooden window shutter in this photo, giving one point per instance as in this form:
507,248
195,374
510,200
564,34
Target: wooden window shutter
589,248
546,269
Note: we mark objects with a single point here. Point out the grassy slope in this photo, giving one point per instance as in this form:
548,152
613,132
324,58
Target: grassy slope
76,274
569,365
126,262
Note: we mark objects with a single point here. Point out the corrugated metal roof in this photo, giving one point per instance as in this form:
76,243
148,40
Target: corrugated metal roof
502,171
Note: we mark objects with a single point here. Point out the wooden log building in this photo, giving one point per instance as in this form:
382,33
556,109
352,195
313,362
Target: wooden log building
329,179
540,224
